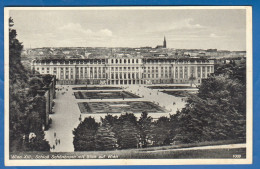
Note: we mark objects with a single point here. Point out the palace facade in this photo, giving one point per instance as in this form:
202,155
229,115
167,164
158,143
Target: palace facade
126,71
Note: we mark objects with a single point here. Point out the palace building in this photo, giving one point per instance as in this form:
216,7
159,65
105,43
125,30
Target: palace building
126,70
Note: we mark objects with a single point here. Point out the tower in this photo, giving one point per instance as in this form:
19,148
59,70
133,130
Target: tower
164,43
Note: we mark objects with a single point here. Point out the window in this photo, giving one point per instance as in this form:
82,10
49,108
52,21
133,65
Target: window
112,60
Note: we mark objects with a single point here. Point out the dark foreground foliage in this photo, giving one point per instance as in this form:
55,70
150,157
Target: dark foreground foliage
26,107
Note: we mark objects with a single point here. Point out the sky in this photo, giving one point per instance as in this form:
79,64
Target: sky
222,29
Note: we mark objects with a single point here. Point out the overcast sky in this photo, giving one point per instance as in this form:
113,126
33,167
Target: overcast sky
185,29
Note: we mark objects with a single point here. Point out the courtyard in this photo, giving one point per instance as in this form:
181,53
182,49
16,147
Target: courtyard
68,111
178,93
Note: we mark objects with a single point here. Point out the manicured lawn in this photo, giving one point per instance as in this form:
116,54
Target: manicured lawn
120,107
105,95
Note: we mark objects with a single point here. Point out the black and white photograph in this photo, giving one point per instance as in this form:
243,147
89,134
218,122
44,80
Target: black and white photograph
128,85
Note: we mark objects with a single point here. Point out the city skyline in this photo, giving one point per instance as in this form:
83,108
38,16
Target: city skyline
223,29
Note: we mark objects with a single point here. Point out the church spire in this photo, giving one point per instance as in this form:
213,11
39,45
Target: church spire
164,43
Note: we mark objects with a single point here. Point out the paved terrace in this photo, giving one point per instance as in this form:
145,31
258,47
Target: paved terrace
67,113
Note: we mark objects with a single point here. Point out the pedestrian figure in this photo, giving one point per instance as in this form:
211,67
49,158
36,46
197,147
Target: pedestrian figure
53,147
80,118
54,134
59,141
56,142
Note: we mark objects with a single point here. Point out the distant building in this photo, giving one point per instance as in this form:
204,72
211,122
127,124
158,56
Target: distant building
125,70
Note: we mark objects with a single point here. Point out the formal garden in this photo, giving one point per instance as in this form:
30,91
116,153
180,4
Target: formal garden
120,107
105,95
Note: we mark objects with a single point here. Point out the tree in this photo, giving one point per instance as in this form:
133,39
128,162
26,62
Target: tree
128,135
84,135
145,127
23,116
110,119
217,112
105,138
161,130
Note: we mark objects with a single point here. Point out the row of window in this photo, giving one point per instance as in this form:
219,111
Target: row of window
133,68
77,76
124,68
120,61
125,76
73,62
